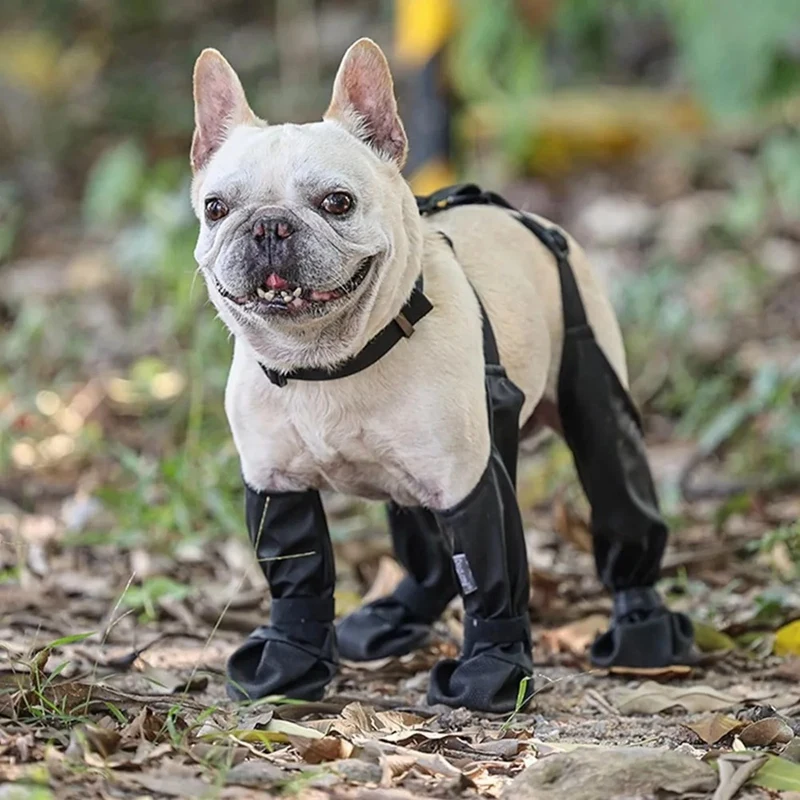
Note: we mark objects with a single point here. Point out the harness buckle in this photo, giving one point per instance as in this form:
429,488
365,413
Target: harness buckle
405,326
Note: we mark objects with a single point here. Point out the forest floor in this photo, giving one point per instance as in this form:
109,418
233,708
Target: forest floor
126,578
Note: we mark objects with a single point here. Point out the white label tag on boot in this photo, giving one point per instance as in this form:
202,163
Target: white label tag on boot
464,573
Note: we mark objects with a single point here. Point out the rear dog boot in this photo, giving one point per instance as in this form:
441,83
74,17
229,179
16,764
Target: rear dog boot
295,655
490,562
397,624
602,428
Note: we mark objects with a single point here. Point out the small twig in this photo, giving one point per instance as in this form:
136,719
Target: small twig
731,779
598,700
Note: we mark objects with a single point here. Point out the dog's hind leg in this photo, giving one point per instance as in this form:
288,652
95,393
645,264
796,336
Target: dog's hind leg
296,654
401,622
601,426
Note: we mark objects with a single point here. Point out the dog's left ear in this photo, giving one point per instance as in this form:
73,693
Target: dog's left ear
363,101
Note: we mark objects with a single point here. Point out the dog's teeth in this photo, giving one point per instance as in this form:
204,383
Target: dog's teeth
270,295
286,296
261,293
297,292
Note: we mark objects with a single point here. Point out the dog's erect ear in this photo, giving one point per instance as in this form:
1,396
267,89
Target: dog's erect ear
363,101
219,105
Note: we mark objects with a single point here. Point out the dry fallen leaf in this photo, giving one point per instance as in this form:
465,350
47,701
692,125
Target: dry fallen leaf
318,751
765,732
715,727
574,638
147,726
653,698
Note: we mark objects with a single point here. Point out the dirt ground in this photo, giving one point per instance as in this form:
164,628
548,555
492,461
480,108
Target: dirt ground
109,696
114,629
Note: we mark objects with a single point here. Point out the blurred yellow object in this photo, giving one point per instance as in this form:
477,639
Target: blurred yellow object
38,62
787,640
431,176
422,28
573,128
29,59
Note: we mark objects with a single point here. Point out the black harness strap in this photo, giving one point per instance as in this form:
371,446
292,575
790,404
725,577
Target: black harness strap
469,194
401,327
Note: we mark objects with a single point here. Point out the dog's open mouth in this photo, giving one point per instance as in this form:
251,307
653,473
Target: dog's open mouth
278,294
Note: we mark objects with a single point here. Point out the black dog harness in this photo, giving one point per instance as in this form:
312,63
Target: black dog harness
418,305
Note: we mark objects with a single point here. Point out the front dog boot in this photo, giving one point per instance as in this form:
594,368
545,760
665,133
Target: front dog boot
397,624
491,565
295,655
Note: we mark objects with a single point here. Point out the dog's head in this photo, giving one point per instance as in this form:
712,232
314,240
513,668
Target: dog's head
309,235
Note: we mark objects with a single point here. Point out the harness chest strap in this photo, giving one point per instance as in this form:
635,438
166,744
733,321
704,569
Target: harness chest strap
401,327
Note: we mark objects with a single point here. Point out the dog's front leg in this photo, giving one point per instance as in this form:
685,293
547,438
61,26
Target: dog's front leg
485,530
296,654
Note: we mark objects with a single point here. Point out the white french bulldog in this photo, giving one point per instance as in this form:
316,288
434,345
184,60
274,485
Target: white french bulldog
310,243
313,248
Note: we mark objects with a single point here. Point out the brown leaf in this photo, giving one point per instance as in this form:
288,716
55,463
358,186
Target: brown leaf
772,730
103,741
715,727
318,751
576,637
428,762
147,726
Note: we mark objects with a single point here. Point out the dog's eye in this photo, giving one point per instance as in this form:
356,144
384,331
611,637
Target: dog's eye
337,203
215,209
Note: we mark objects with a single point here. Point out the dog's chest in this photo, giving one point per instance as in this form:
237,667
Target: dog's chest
311,443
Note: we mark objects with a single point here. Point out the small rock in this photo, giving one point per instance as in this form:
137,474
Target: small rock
257,775
606,774
357,771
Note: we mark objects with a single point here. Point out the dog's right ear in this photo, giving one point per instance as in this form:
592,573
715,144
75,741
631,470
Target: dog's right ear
219,105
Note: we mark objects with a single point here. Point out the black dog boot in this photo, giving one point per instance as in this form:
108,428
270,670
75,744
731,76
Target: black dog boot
492,569
604,432
644,633
397,624
296,654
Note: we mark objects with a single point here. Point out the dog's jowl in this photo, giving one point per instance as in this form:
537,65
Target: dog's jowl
397,348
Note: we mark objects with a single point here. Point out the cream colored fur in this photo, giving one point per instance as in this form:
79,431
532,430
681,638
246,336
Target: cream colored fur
412,427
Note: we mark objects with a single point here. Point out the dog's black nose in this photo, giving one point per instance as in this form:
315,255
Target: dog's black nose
279,228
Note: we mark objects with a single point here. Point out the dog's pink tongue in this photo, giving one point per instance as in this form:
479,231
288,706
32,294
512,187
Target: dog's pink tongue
322,296
275,281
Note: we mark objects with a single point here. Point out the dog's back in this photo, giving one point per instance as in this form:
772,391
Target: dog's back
516,278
